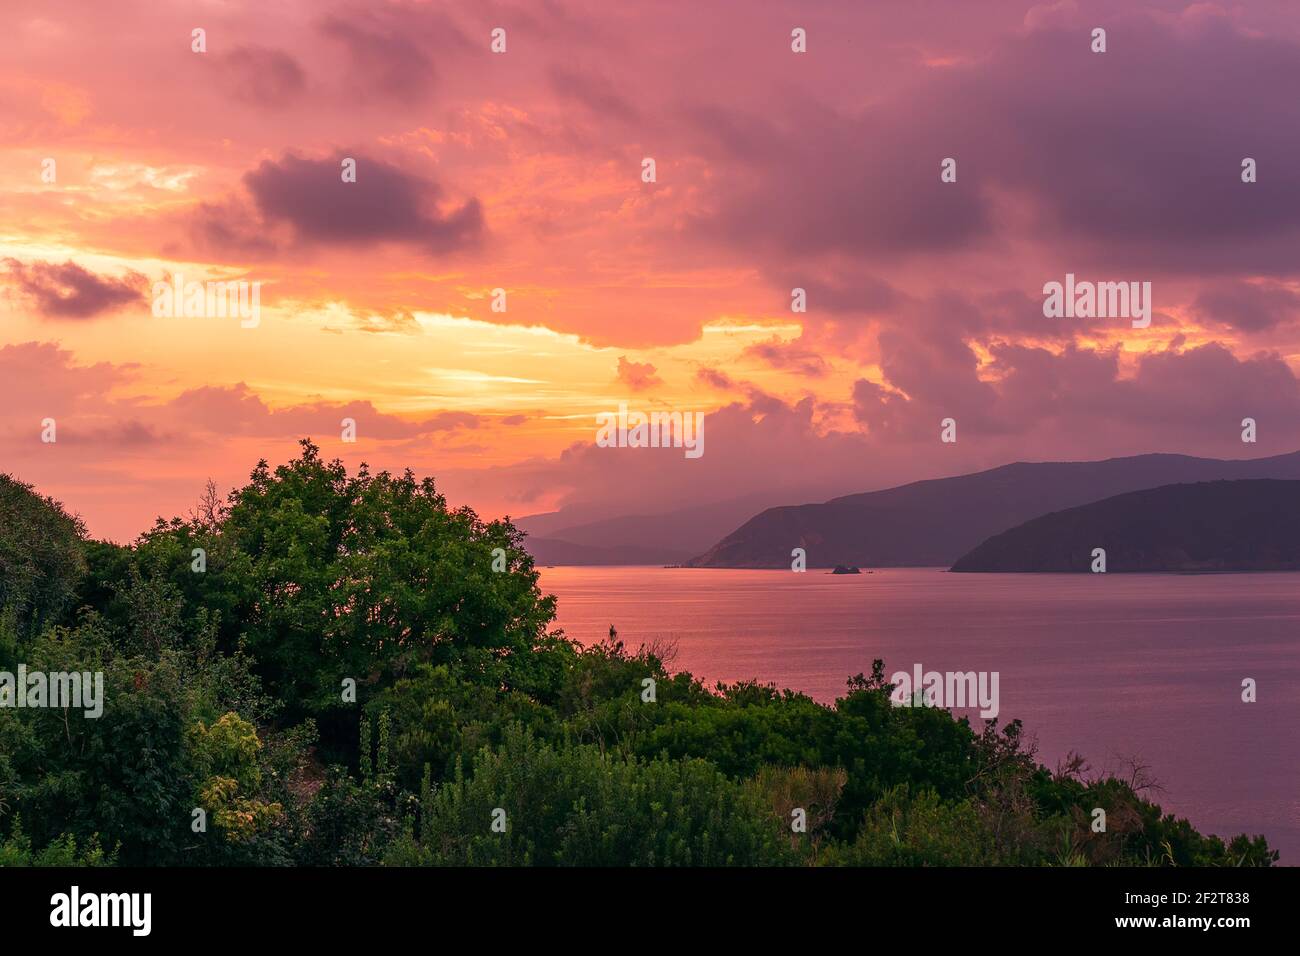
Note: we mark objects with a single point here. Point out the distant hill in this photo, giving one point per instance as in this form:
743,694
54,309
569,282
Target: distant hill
562,537
554,551
933,523
1208,526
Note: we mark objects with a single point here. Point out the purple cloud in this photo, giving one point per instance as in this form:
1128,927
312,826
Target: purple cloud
1248,306
385,203
69,291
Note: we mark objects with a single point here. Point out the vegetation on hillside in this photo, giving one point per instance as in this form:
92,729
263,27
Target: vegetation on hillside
479,734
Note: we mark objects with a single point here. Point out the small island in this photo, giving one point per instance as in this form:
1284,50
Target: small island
846,569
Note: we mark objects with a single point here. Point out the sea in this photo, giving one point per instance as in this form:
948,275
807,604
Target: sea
1135,672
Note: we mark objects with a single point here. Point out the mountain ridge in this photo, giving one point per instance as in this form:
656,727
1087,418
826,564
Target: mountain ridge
934,521
1210,526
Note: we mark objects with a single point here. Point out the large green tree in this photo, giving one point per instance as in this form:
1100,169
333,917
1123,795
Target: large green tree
327,576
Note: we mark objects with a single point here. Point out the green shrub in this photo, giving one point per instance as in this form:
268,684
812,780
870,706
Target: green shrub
576,806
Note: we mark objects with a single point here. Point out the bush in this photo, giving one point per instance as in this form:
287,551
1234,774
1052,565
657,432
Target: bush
919,830
576,806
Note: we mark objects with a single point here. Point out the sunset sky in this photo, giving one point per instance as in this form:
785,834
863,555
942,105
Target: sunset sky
522,171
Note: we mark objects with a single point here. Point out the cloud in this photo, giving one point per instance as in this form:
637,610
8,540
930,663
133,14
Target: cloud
1248,306
384,203
231,225
1078,403
868,197
123,459
126,436
309,199
262,77
391,49
1047,16
237,409
790,357
450,421
776,171
715,378
637,375
761,445
592,90
383,60
69,291
39,379
1125,160
839,287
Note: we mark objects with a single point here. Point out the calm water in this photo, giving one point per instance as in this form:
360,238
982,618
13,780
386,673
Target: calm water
1113,667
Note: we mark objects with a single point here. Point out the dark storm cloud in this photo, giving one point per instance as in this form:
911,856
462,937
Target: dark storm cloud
384,204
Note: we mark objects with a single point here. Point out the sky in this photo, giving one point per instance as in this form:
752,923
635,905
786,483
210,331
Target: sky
128,157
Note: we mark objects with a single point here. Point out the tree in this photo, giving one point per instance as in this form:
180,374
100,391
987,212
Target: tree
330,576
41,559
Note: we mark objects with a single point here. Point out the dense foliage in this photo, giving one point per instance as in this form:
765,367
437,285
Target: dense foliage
230,642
